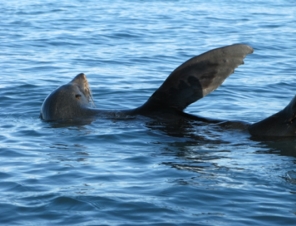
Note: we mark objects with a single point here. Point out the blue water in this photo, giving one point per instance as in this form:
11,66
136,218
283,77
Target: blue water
131,172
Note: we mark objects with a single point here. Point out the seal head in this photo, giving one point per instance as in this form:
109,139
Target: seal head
68,102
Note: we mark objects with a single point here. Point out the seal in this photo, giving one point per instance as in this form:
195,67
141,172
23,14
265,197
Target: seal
191,81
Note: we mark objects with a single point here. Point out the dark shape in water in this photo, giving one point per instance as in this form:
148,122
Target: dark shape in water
188,83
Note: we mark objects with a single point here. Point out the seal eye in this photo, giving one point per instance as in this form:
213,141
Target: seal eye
77,96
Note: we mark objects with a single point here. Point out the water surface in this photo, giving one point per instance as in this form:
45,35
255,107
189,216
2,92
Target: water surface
131,172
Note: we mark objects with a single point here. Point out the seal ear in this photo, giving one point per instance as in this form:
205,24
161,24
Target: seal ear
197,77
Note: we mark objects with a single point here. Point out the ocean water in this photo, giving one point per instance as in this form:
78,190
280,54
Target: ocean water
132,172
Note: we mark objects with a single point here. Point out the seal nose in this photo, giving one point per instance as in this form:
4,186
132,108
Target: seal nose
80,76
79,79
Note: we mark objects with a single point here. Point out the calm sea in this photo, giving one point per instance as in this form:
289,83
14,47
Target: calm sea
130,172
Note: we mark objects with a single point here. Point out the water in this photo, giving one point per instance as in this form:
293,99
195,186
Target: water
131,172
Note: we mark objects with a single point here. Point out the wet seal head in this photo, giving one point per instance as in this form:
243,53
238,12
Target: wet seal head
71,101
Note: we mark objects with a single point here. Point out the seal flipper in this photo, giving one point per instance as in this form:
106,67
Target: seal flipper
196,78
281,124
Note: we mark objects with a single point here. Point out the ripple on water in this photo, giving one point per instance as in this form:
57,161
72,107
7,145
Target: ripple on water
136,172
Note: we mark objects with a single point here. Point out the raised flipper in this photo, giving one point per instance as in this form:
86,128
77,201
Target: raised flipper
281,124
197,77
